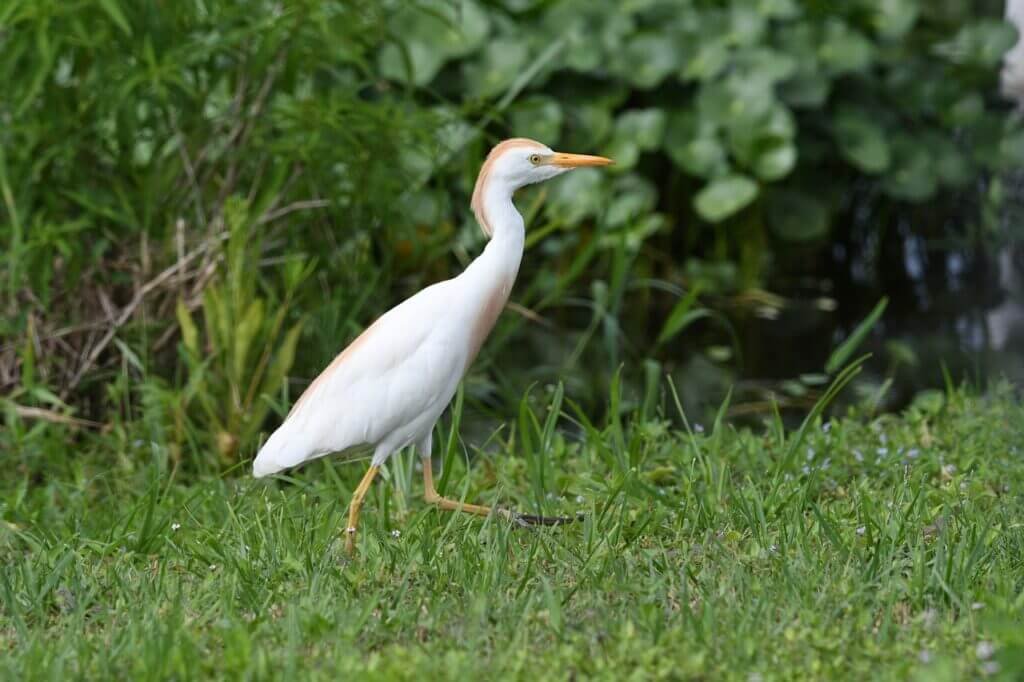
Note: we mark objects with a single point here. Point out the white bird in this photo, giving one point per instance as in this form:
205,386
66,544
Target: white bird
388,388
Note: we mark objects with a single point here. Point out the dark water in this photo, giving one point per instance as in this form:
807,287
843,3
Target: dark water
955,290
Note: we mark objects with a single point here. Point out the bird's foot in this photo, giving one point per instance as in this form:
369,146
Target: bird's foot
527,520
519,519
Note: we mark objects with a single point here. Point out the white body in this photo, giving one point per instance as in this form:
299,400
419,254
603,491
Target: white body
389,387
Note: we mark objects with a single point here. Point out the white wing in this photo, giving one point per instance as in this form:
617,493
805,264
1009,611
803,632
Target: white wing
397,375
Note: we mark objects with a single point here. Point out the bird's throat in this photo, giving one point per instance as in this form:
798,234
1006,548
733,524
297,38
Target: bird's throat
494,271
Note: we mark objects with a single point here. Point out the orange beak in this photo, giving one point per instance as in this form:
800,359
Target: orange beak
577,160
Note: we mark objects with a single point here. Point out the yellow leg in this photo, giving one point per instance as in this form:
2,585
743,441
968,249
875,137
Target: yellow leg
430,493
431,496
353,509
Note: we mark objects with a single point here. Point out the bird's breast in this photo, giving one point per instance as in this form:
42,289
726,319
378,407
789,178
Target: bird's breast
485,316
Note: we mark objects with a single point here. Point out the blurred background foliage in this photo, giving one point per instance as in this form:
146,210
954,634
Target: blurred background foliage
201,199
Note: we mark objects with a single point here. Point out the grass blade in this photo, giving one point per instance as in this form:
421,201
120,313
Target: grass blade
847,348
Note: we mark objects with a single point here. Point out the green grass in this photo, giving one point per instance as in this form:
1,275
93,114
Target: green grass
887,548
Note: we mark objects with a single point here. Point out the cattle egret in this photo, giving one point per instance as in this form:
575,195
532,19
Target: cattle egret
388,388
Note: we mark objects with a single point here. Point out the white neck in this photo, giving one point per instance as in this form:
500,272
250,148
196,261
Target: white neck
488,280
501,257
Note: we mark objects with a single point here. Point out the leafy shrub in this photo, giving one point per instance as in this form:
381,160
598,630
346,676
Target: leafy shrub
241,358
743,132
752,100
124,128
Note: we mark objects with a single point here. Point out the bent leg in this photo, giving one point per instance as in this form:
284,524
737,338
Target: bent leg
431,496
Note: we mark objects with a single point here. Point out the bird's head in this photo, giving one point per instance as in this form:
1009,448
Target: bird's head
518,162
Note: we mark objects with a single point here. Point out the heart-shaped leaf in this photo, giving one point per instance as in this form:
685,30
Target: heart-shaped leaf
692,143
578,195
647,59
725,196
843,49
862,141
893,18
775,158
645,127
913,172
634,197
537,117
501,62
982,43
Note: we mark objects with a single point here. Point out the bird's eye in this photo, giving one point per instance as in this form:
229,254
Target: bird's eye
534,159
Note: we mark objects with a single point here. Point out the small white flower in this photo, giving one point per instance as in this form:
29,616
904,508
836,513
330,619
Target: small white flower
861,530
858,455
977,606
350,530
806,469
913,453
213,567
579,499
826,427
175,526
925,656
810,454
984,650
396,533
883,451
698,428
773,548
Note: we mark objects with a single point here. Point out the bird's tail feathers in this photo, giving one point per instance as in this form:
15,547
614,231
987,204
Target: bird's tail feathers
289,446
282,450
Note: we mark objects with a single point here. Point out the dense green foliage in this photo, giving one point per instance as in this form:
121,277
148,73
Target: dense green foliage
867,548
748,135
